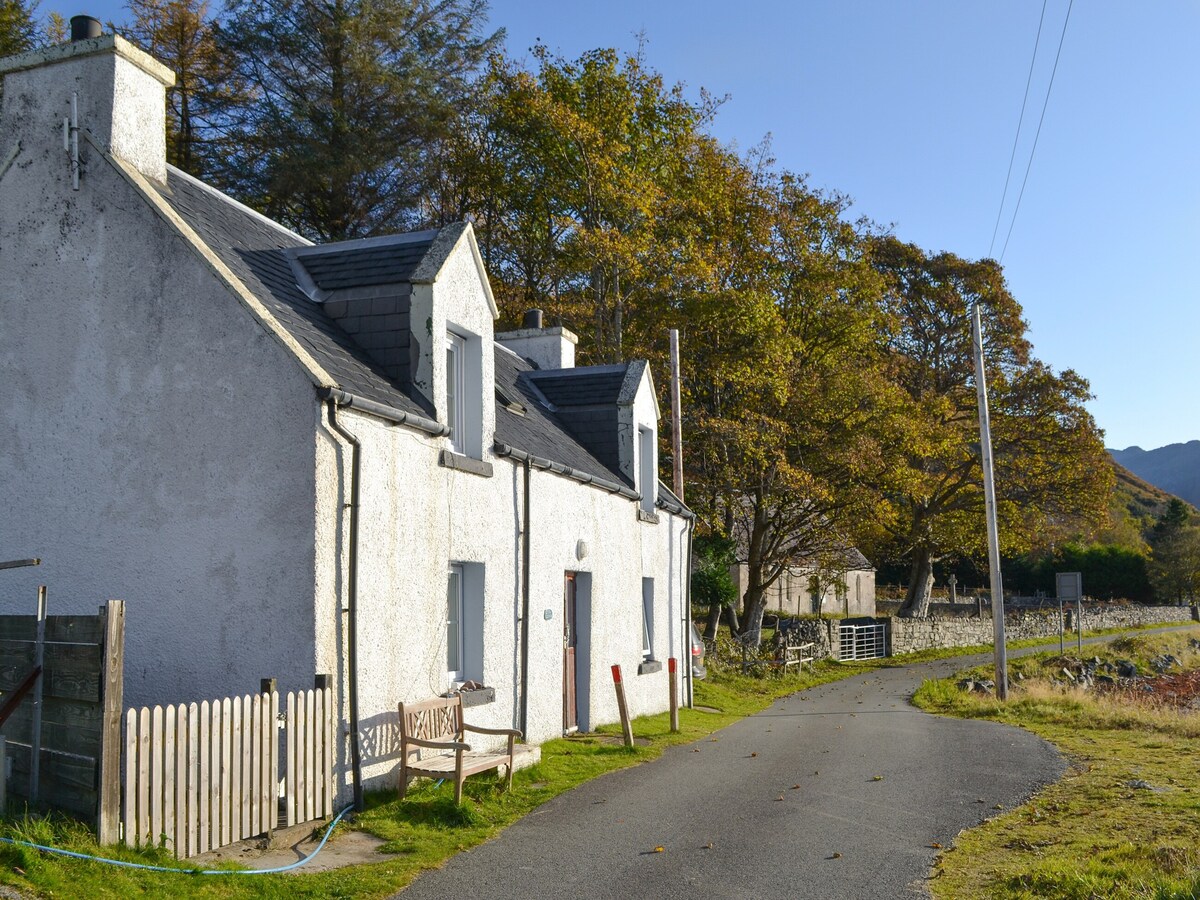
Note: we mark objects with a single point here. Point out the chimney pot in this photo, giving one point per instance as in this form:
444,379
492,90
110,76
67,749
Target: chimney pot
85,27
533,319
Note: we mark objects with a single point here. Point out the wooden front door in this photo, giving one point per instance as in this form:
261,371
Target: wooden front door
570,720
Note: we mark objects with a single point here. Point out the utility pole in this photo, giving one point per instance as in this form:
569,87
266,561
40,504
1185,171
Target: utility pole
989,495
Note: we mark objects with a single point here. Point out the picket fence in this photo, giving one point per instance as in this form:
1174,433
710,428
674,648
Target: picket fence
202,776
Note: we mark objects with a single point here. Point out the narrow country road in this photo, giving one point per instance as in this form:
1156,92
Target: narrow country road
868,783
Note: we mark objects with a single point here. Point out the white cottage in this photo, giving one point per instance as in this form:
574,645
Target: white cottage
292,460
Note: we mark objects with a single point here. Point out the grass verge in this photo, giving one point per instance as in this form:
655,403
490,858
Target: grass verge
1123,822
422,831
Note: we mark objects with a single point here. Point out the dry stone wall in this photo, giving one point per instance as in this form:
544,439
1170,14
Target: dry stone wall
934,632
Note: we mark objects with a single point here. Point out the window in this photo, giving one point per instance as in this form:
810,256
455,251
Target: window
454,624
647,618
456,361
464,622
648,472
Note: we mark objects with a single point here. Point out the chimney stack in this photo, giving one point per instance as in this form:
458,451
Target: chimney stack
546,348
112,92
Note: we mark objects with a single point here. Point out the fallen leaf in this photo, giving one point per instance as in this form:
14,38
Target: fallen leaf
877,778
780,797
753,755
936,846
697,750
836,856
708,846
659,849
795,787
998,806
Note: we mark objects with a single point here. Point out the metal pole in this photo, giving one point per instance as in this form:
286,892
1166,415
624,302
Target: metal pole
35,741
1061,623
1079,616
989,493
676,419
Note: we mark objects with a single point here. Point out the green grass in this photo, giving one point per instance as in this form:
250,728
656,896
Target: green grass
421,832
425,829
1091,834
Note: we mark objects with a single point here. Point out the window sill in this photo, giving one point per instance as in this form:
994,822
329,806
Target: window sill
649,667
477,697
649,517
451,460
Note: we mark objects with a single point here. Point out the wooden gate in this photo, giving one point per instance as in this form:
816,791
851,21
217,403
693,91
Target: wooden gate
64,739
202,776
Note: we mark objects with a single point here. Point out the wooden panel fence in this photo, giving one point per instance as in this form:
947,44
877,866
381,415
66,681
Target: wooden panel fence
202,776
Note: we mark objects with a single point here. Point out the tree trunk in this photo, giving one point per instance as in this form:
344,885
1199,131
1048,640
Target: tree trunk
735,627
756,605
920,585
714,621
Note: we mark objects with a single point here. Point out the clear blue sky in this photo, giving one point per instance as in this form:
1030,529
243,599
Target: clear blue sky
911,109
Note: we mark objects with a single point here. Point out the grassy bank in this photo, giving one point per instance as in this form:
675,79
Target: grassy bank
423,831
1125,820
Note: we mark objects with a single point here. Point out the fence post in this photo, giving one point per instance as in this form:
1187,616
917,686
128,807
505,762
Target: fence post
112,690
270,712
626,727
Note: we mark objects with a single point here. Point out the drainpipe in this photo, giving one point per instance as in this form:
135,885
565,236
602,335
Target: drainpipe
352,603
527,467
690,695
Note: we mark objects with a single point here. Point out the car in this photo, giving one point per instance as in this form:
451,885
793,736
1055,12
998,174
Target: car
698,670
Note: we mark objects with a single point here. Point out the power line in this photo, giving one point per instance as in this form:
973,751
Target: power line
1038,134
1020,121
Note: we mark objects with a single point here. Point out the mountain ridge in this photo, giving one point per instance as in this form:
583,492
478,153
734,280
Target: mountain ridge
1174,468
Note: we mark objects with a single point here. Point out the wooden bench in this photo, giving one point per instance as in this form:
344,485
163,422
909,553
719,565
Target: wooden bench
432,744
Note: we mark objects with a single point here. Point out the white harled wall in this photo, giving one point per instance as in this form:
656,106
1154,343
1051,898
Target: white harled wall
157,445
417,517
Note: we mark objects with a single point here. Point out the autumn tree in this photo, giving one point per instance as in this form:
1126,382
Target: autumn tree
798,463
1050,464
18,27
207,91
350,102
572,175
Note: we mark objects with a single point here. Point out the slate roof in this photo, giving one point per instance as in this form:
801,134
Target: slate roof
539,430
253,248
257,251
585,386
374,262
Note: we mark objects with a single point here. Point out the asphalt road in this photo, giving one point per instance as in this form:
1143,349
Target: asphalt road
839,791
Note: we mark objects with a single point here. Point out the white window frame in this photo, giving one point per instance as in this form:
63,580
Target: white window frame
648,471
455,643
647,618
456,377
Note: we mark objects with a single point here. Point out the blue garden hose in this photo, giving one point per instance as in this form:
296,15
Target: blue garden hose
147,868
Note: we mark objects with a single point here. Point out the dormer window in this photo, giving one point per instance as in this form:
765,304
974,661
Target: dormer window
456,364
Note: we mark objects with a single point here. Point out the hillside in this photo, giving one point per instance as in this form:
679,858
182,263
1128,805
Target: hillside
1143,500
1174,468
